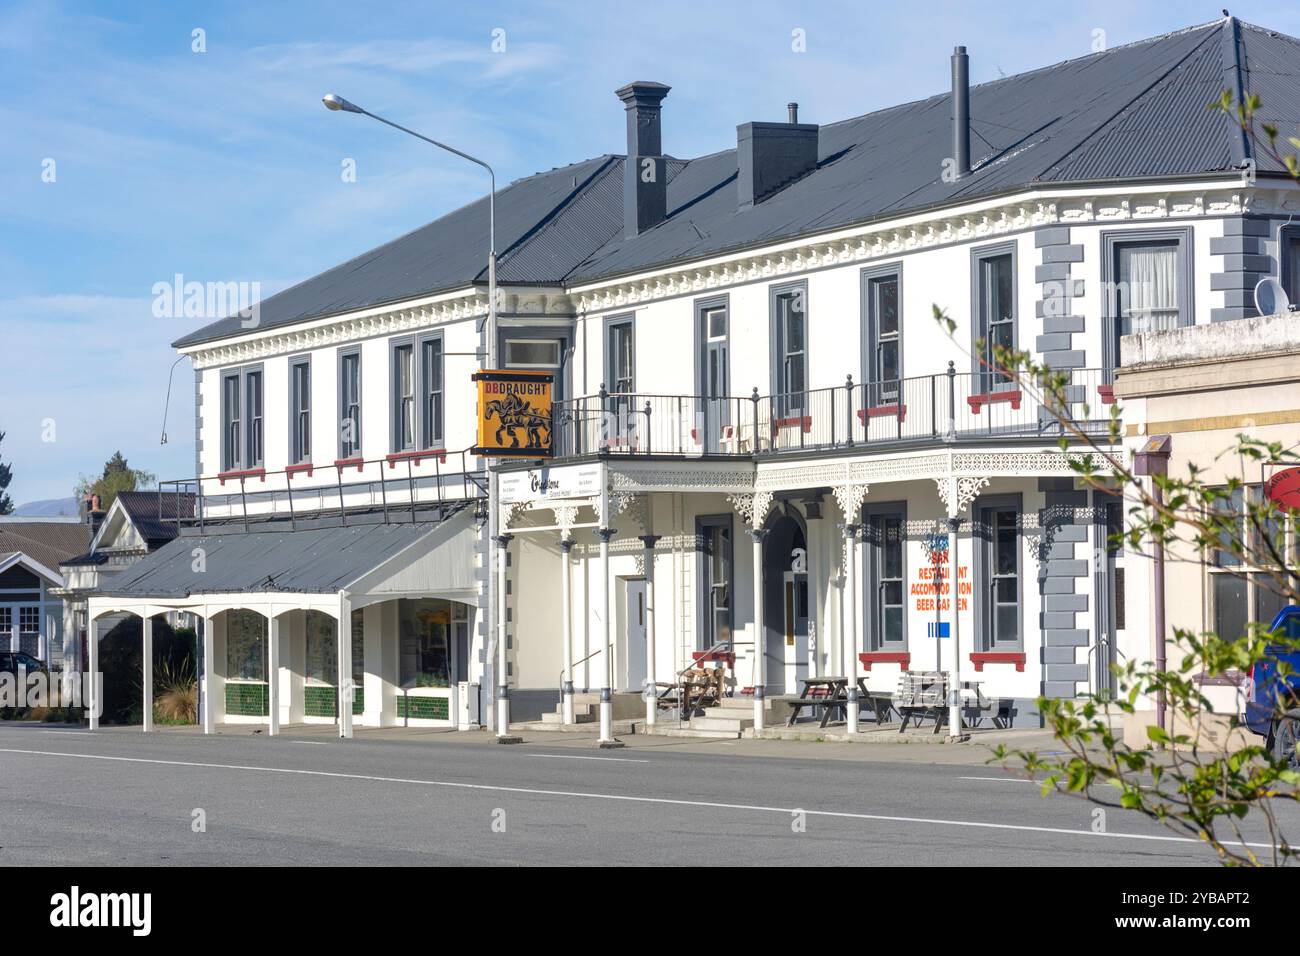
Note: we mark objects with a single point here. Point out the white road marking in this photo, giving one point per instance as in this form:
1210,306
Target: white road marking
311,743
1001,779
622,798
71,733
583,757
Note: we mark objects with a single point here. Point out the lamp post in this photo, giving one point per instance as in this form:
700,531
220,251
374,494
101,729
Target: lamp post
337,103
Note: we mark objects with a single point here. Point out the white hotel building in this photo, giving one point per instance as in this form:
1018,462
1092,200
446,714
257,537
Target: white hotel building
796,440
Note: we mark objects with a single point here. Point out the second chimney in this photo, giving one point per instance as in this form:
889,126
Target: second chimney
645,180
961,112
770,156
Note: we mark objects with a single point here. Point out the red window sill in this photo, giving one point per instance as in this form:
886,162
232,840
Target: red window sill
1107,393
726,657
303,467
901,658
976,402
259,473
883,411
415,457
805,422
349,462
980,658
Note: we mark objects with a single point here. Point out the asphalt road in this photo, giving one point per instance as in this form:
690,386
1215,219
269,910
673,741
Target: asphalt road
120,797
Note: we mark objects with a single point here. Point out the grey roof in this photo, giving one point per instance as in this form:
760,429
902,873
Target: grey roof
49,543
154,513
309,560
1132,112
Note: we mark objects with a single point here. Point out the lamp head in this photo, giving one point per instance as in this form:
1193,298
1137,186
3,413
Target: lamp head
335,102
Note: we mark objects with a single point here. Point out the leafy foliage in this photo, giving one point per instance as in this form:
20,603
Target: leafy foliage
117,476
1199,788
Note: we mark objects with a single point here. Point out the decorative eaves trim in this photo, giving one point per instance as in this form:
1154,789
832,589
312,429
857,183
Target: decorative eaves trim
352,327
978,222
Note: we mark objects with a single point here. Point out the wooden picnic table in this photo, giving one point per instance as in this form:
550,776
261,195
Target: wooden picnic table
828,692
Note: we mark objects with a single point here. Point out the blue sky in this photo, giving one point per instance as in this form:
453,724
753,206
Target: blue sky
223,165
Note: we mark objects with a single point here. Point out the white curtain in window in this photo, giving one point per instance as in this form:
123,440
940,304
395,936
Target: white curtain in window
1149,293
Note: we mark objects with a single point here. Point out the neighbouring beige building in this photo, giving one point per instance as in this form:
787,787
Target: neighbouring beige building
1203,386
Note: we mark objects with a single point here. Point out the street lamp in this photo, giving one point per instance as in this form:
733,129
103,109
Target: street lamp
337,103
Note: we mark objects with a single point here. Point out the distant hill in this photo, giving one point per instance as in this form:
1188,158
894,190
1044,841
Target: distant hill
50,507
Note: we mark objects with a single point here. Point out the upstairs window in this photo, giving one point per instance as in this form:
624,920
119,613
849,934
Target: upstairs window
350,404
1148,286
253,409
884,336
404,397
620,368
241,419
232,457
790,348
431,371
995,311
300,410
1146,283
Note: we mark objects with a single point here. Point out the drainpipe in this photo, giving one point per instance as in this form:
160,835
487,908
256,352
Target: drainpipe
1159,597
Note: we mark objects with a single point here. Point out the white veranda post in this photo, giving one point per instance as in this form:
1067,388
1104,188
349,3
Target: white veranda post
146,670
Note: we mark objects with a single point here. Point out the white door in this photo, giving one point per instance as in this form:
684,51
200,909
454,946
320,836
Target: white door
794,625
634,630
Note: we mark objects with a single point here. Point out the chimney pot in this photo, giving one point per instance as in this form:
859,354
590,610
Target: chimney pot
793,109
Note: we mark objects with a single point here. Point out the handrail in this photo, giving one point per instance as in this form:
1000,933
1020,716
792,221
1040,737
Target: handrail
576,663
280,482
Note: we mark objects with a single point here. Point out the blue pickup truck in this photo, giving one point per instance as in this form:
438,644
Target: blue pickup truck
1265,687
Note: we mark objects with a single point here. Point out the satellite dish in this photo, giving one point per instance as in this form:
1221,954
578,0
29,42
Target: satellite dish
1270,297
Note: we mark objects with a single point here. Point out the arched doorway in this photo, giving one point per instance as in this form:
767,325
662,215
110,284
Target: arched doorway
785,602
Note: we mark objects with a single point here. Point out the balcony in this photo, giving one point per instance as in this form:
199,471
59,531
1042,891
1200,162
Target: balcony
951,407
413,486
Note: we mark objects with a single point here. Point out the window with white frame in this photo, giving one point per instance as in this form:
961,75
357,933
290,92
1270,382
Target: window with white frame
1244,588
253,408
242,411
886,572
1149,280
245,645
790,346
884,335
431,372
404,397
620,370
231,423
300,410
995,314
418,393
350,404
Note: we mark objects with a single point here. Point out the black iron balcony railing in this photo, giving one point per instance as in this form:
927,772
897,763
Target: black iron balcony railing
950,407
407,486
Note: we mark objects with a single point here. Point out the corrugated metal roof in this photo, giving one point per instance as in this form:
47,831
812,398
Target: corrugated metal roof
310,560
1131,112
154,513
49,543
449,253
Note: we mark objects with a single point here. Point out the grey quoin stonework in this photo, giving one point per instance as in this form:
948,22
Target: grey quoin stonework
1248,251
1058,290
1062,564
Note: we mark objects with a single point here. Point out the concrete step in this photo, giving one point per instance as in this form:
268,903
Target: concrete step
728,723
558,718
620,728
672,730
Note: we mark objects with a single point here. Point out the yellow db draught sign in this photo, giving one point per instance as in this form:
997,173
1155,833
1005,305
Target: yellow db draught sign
514,414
